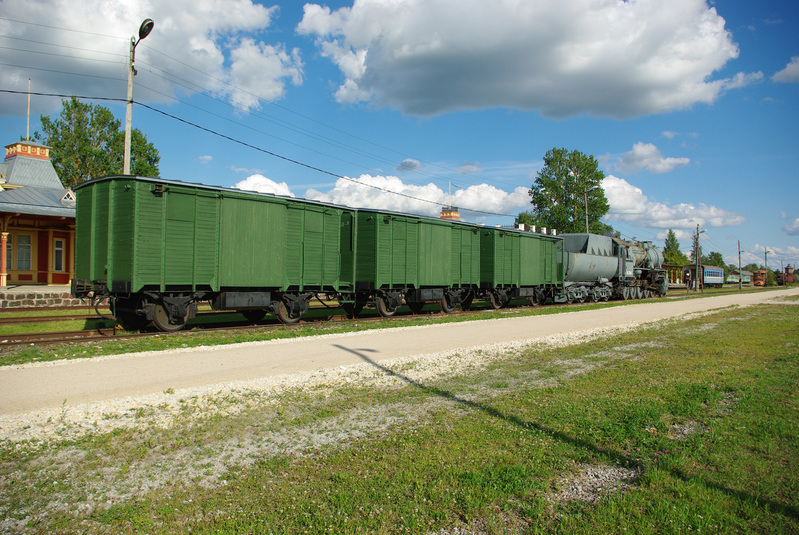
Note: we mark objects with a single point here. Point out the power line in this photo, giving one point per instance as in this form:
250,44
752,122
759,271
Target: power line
274,120
61,28
251,146
308,166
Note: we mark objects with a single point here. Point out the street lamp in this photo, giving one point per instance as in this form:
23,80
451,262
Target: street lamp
586,206
144,30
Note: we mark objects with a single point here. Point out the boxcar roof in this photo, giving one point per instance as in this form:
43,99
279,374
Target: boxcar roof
198,185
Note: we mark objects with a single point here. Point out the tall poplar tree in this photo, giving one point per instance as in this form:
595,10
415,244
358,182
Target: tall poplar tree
569,184
672,253
86,142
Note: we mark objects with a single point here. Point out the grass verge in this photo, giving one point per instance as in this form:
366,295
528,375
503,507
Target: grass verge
692,426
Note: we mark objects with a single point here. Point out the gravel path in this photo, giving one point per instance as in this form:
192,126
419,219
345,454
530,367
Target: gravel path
82,390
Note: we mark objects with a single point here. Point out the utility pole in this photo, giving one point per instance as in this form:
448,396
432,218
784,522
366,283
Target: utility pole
144,30
765,256
740,273
696,258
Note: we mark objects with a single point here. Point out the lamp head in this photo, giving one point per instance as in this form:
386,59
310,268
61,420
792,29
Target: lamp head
145,28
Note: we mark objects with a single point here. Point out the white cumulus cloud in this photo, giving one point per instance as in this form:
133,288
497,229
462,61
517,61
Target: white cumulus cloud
629,204
191,39
647,156
790,73
408,164
792,229
390,193
604,58
262,184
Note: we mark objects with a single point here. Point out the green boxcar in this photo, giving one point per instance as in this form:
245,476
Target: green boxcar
158,247
517,264
416,258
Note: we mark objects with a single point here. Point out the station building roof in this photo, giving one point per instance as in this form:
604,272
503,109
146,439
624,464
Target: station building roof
29,183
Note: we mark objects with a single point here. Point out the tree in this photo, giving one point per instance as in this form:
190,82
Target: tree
714,259
86,142
566,187
672,253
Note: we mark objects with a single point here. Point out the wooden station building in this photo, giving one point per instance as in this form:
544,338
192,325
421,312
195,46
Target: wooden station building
37,219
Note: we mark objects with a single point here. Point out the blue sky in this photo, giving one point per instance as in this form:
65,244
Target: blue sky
690,106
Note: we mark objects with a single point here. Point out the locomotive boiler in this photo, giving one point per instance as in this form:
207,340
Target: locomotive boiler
603,267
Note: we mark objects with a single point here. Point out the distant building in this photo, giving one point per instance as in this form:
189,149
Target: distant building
450,213
37,219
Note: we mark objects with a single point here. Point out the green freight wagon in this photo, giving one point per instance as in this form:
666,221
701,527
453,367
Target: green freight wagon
158,247
517,264
413,258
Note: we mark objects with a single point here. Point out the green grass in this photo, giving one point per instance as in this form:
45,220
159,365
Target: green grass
705,410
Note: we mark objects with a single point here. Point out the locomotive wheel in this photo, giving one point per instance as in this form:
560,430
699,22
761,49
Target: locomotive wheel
496,302
446,305
639,293
253,315
625,293
161,319
383,308
594,295
415,307
284,313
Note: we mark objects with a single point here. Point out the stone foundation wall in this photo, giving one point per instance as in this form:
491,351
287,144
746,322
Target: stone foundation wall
39,299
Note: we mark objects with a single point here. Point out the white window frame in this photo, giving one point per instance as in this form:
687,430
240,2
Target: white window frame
58,254
21,249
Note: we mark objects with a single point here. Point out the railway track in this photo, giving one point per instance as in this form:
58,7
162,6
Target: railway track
112,333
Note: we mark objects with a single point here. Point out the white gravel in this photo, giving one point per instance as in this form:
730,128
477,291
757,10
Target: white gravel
70,422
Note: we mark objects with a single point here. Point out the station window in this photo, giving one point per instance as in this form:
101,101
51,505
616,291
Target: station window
9,249
58,255
24,252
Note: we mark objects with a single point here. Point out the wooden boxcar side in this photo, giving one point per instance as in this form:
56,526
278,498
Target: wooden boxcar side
516,264
415,259
151,243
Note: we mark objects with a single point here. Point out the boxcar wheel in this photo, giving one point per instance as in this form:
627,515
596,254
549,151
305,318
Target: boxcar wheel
130,321
496,302
284,314
416,308
161,319
383,308
352,310
466,304
446,305
253,315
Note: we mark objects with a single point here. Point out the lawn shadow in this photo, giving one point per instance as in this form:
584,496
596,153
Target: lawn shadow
617,457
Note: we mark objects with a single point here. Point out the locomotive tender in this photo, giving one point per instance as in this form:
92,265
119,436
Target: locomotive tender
156,248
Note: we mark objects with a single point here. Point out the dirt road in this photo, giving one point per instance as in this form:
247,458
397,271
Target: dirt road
34,387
